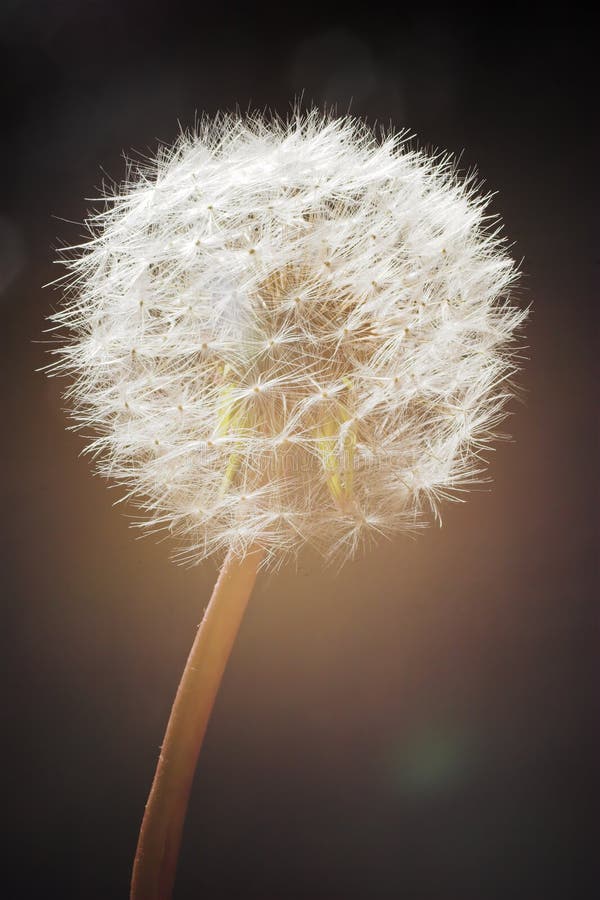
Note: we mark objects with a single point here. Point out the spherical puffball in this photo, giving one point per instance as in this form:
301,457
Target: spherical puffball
283,333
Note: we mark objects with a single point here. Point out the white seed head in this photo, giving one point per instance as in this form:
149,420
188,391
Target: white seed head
293,332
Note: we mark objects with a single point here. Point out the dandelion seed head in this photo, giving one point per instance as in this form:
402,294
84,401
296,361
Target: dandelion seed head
289,333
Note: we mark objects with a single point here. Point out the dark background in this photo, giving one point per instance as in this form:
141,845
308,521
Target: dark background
418,725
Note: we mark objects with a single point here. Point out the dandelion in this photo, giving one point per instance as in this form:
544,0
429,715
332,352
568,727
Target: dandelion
282,334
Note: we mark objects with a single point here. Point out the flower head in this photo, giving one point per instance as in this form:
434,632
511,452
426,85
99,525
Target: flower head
289,332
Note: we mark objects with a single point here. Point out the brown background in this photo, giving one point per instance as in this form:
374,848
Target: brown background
417,725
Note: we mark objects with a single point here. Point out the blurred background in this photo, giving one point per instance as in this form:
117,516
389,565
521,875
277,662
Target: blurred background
417,725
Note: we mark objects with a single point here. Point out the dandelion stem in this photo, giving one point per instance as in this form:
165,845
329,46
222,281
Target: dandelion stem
160,835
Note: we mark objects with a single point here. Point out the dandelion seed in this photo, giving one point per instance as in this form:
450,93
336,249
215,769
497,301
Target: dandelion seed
394,335
338,326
